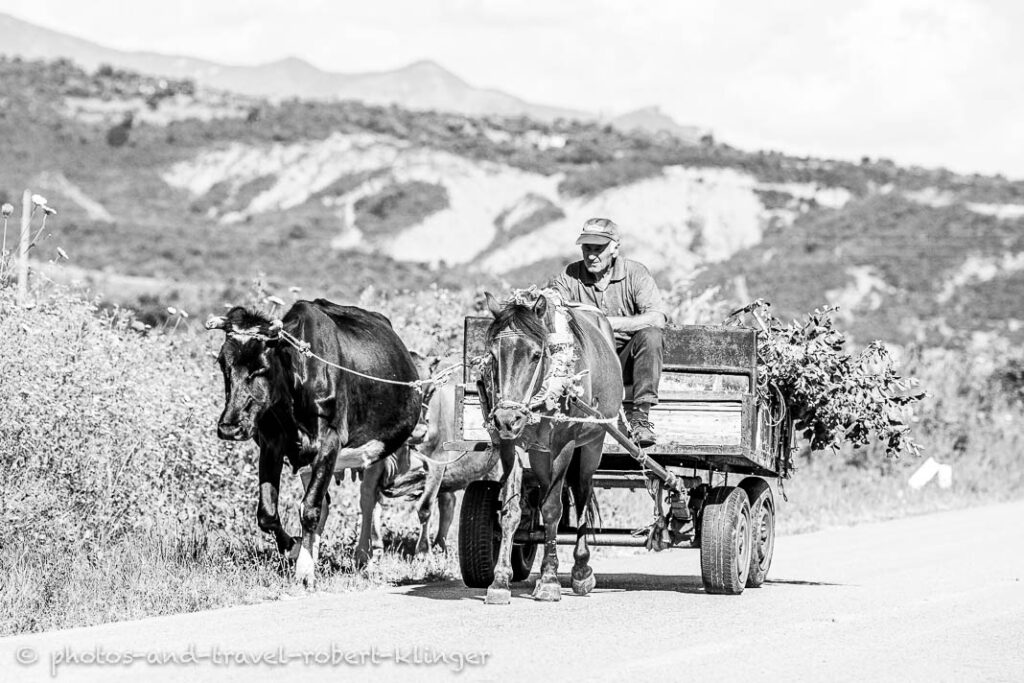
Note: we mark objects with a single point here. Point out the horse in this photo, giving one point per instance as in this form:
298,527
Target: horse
526,339
443,472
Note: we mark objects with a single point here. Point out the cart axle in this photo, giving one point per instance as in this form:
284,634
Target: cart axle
610,537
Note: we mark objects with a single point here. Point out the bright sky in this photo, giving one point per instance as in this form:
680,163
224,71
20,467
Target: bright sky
937,83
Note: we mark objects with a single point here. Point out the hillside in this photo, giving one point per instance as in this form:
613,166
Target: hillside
163,179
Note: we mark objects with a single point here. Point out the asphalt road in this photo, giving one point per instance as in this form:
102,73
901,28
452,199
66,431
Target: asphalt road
932,598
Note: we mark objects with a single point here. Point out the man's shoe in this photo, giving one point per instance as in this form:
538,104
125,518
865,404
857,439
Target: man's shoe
643,430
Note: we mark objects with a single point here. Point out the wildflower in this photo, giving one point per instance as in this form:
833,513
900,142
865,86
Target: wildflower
171,310
39,200
63,254
6,210
277,301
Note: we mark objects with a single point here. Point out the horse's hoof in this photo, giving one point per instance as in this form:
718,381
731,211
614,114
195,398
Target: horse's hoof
547,592
584,585
498,596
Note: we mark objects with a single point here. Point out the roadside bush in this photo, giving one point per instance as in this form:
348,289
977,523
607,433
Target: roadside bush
105,431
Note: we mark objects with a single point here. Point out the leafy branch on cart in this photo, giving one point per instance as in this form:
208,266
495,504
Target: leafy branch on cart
833,396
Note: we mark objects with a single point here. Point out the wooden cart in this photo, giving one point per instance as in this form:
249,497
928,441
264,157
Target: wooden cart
720,448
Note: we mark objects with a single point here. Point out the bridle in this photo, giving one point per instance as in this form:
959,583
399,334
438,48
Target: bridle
524,406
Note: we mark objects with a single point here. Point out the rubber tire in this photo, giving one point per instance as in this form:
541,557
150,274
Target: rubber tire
725,541
762,529
479,533
523,557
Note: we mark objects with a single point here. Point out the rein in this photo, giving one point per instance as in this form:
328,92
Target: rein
304,348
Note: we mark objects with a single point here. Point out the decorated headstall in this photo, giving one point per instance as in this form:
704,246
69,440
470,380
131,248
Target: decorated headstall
559,380
265,333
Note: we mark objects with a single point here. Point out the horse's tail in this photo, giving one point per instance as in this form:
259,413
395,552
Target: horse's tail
592,515
411,485
591,512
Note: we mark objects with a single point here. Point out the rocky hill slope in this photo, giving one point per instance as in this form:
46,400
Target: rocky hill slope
162,179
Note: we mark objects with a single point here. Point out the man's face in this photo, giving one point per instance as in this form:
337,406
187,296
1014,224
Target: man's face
597,258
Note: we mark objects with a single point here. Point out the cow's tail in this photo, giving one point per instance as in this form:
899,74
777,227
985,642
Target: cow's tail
410,485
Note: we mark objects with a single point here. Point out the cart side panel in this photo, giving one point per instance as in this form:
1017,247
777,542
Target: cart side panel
473,336
711,347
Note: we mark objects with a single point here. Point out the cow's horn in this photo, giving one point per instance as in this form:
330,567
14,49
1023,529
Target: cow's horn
216,322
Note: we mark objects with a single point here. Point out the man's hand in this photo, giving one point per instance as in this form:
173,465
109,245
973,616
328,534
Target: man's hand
632,323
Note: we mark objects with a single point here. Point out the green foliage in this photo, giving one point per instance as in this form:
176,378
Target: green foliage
105,431
833,396
590,180
399,206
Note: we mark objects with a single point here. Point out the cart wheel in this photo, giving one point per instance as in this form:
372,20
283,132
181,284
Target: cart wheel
762,529
479,533
725,541
523,556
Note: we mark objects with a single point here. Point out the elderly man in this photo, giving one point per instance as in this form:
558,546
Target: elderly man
628,295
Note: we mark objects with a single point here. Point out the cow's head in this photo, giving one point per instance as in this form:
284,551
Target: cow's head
253,375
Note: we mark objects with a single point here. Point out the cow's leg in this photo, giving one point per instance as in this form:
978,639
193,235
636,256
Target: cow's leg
320,472
305,476
266,512
425,507
359,457
445,513
369,530
550,471
583,580
499,592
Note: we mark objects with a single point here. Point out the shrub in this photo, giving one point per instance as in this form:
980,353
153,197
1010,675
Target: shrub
834,397
399,206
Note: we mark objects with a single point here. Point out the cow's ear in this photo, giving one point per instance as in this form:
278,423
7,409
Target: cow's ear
422,363
492,304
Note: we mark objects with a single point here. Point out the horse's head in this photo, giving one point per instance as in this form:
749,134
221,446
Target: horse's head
252,373
518,342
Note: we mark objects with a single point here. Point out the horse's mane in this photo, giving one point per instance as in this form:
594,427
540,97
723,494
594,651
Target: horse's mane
523,318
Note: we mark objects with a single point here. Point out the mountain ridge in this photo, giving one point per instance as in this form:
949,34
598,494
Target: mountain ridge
287,77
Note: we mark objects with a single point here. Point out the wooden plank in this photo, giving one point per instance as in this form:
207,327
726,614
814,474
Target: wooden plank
692,346
473,421
687,424
711,346
697,423
474,333
682,386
